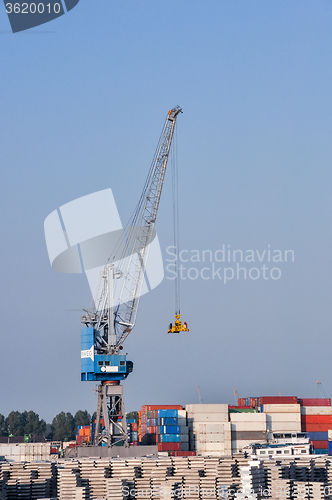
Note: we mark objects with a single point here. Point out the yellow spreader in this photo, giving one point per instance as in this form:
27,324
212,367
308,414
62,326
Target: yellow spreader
178,326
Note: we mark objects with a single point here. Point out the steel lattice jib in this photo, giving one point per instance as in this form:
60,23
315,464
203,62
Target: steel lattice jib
101,367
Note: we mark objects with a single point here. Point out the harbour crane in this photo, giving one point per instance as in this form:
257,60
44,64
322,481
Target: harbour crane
236,397
200,400
320,390
111,321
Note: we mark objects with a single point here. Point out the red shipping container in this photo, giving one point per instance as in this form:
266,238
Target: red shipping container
54,451
182,453
241,401
277,400
162,407
315,402
316,427
254,402
82,439
320,445
134,443
133,427
169,446
316,419
239,407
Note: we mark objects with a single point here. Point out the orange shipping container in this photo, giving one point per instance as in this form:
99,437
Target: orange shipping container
316,419
316,427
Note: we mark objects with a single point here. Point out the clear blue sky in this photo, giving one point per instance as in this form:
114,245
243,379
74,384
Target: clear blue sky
83,100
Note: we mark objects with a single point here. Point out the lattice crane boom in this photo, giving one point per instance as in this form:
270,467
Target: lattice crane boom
149,204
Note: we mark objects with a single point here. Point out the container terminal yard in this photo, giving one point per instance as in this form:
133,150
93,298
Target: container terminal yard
266,447
262,447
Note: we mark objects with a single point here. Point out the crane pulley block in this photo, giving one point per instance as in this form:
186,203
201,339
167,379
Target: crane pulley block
178,326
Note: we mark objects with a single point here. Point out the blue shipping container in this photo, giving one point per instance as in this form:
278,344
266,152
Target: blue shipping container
167,413
330,448
317,436
320,452
169,429
167,421
169,438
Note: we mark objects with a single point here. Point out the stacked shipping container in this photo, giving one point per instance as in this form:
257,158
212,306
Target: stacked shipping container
316,421
209,429
247,428
282,418
132,428
26,452
83,435
165,425
219,429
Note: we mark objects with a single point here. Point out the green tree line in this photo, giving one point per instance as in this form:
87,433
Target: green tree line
63,426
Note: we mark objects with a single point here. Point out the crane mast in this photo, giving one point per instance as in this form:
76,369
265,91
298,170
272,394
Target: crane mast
112,321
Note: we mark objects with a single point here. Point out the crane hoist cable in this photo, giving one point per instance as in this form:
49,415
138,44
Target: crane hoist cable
178,326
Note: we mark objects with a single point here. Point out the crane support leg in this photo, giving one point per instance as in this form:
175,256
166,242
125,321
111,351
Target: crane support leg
111,423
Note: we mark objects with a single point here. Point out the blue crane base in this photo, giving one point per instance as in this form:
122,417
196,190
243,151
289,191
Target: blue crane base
101,367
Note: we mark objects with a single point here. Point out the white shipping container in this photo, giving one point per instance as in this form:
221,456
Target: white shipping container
248,426
247,417
316,410
209,428
207,408
211,447
212,438
285,427
283,417
207,417
182,413
329,434
27,452
213,427
225,436
292,408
